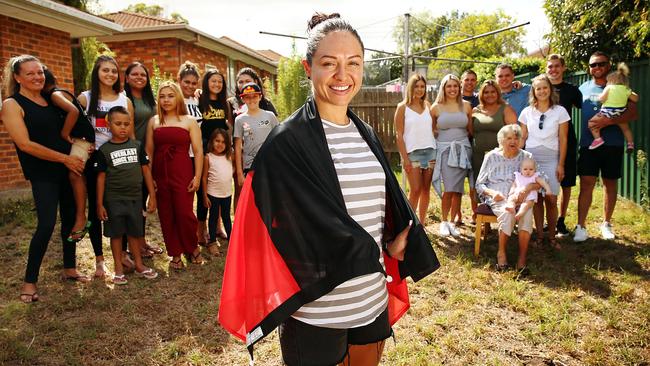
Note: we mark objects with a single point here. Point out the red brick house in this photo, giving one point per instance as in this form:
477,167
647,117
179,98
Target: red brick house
45,29
169,43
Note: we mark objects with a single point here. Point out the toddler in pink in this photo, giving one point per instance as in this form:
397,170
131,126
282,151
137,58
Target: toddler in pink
527,175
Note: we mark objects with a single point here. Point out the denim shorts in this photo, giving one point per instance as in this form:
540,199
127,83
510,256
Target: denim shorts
423,158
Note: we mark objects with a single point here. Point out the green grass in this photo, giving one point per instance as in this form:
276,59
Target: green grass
587,305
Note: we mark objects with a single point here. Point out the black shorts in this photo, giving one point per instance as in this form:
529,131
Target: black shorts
305,344
124,217
570,164
606,161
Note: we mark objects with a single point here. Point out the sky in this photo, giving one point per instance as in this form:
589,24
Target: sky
373,19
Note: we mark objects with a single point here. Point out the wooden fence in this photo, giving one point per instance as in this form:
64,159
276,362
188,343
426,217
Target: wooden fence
377,107
636,170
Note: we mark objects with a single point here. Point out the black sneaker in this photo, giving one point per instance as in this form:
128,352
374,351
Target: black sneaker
562,231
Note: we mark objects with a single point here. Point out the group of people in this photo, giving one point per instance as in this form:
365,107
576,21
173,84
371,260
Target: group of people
516,145
126,152
323,236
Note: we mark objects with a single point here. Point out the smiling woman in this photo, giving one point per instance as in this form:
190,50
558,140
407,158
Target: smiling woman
312,221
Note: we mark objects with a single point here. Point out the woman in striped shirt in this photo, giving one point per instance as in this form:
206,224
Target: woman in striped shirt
323,234
351,321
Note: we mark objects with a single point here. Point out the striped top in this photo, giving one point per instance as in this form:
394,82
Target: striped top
358,301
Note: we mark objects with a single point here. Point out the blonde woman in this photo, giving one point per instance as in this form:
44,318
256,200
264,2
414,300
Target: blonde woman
415,142
545,128
451,120
169,137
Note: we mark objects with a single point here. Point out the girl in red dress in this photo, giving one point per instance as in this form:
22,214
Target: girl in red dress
169,136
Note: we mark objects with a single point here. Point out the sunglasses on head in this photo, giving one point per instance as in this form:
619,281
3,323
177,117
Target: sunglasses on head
541,121
598,64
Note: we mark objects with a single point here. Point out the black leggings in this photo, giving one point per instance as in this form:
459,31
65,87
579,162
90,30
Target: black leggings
217,206
95,232
47,196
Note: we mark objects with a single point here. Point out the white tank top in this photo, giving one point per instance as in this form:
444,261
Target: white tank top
99,122
417,130
219,176
192,105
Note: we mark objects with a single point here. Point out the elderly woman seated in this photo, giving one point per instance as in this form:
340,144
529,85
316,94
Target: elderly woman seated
493,183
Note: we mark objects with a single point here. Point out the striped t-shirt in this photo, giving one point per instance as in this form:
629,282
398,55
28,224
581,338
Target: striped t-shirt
358,301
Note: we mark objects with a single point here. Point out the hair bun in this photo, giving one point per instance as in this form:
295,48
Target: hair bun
318,18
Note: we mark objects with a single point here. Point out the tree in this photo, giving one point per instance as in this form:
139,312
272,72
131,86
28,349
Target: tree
142,8
520,65
179,18
428,32
292,85
379,72
580,27
85,54
155,11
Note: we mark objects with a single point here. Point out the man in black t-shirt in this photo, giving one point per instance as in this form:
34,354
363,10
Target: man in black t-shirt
570,96
468,85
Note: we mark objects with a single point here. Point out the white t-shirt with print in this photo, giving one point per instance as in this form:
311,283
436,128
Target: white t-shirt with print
548,135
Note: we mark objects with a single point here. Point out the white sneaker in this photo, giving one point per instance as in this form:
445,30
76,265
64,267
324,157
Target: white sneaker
580,234
444,229
606,231
452,229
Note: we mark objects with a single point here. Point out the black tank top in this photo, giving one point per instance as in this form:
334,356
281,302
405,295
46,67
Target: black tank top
44,127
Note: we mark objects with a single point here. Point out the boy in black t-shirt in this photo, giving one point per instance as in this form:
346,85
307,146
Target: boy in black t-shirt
121,165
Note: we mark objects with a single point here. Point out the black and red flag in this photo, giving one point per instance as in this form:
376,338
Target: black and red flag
293,240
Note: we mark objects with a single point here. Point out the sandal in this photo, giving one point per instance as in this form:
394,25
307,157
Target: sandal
29,298
196,259
176,264
502,267
148,273
146,253
120,279
77,236
76,278
154,249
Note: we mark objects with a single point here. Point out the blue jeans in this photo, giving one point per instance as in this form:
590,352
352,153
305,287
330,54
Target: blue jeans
423,158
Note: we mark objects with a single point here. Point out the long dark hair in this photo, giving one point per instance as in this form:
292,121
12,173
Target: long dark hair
264,102
204,100
93,104
226,140
147,93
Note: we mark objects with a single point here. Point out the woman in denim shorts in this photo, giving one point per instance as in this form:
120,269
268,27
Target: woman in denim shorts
416,144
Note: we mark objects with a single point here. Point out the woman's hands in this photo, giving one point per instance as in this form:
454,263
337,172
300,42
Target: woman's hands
497,196
74,164
406,164
397,247
194,184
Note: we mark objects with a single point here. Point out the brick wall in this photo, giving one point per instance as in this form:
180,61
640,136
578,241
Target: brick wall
52,47
168,53
165,51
